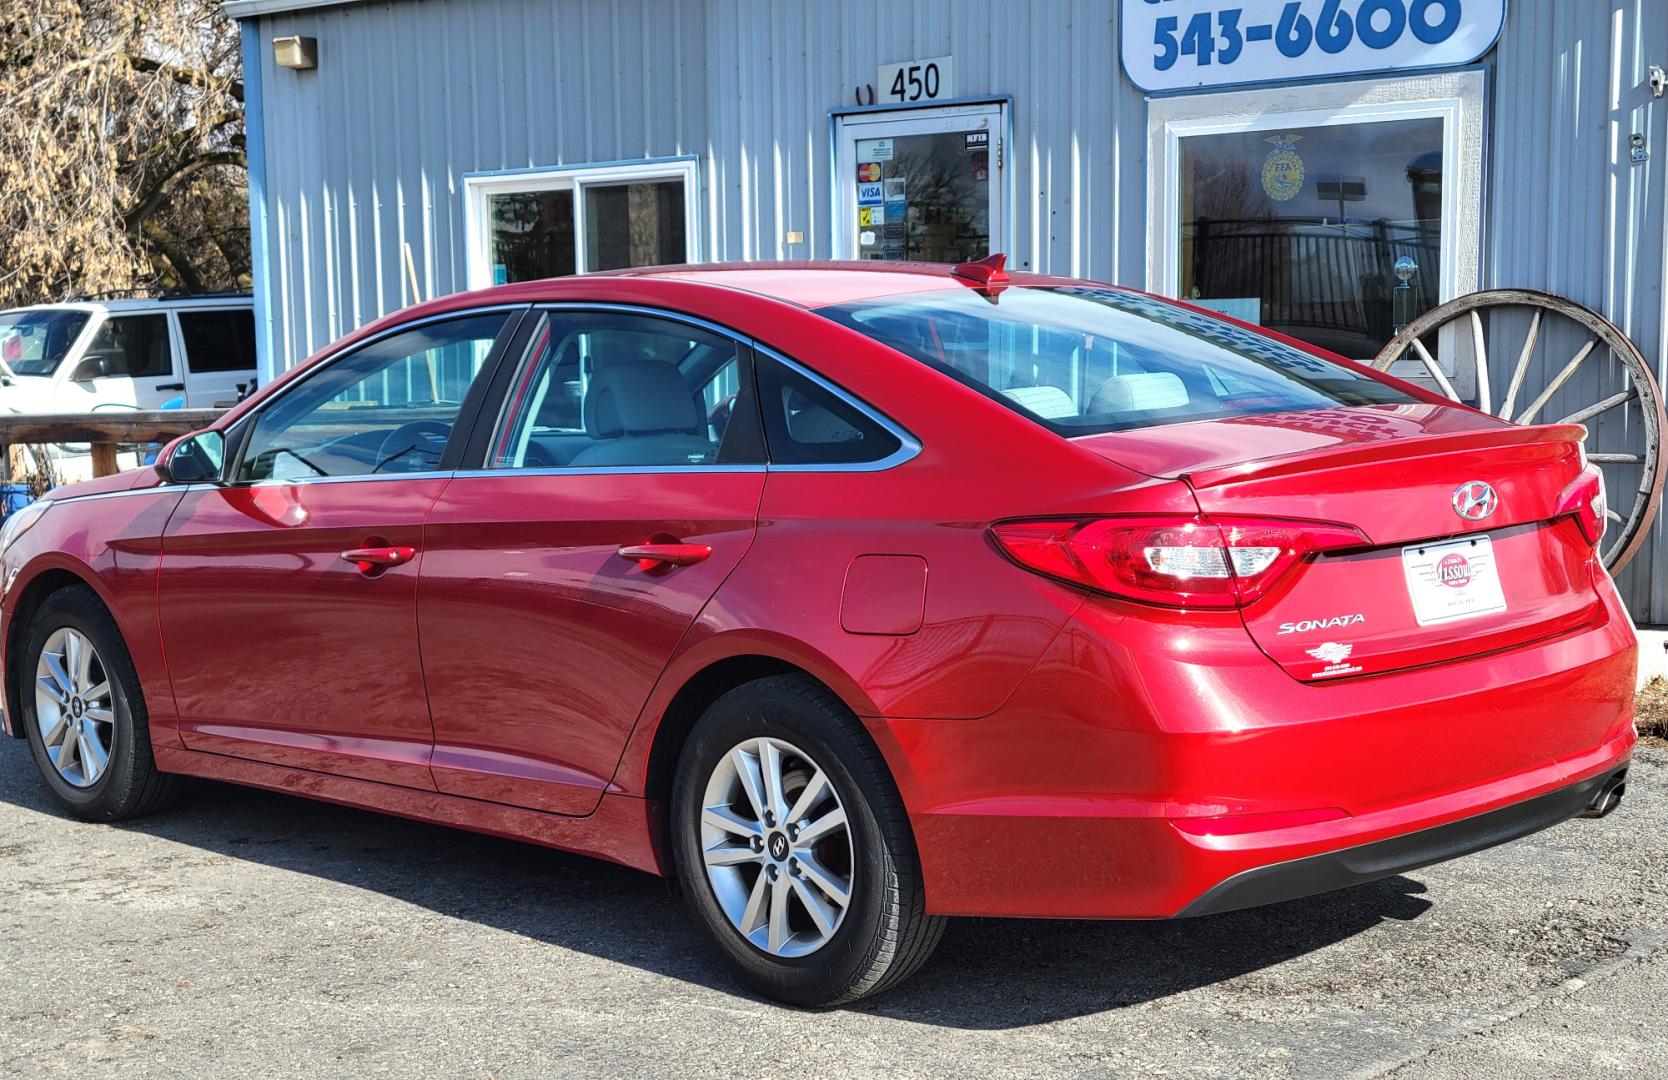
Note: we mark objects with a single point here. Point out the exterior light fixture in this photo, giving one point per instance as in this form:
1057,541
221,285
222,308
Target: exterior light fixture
298,53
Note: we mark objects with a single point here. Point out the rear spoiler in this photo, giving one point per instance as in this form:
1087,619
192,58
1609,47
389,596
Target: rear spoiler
1546,438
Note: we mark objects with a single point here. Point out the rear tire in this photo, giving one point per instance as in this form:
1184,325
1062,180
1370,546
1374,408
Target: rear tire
740,858
84,712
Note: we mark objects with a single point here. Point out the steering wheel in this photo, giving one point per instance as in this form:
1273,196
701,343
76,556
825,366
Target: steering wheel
406,438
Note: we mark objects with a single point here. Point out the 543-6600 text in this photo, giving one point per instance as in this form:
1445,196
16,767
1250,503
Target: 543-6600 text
1222,37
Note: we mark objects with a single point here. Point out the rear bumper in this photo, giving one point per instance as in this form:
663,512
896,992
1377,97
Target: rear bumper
1369,862
1070,801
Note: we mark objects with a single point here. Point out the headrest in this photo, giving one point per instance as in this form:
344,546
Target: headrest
1147,392
639,397
814,424
1048,402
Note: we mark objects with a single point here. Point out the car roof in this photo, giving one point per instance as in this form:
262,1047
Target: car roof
802,284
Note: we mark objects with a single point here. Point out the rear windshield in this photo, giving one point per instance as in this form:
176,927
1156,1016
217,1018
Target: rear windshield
1085,360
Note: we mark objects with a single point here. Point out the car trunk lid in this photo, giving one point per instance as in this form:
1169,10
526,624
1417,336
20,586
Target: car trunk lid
1431,585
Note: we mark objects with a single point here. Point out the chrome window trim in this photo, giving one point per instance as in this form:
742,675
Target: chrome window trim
908,445
626,470
357,478
154,489
253,417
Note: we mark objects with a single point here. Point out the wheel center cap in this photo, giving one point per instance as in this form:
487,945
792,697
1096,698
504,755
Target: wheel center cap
778,846
77,707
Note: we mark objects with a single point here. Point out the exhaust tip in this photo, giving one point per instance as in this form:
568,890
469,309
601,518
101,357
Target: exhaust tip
1608,797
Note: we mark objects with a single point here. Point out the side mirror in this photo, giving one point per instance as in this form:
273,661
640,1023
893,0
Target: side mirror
193,459
90,368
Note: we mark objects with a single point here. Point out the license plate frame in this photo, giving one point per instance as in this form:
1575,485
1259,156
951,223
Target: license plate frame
1453,580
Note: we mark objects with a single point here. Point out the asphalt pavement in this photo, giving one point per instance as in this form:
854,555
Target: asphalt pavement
250,934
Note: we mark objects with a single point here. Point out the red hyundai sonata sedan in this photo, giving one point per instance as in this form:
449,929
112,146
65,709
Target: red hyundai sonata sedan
853,598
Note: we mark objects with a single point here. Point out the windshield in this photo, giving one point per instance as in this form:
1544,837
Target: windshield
36,342
1083,360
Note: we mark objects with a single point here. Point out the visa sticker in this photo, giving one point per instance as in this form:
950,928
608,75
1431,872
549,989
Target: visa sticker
871,194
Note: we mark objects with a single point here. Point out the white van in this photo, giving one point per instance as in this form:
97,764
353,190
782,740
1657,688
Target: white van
98,355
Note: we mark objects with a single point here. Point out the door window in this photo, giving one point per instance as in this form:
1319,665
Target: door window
921,185
553,223
387,407
218,340
604,390
132,346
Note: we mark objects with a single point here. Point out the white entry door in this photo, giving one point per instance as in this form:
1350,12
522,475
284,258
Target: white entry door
921,185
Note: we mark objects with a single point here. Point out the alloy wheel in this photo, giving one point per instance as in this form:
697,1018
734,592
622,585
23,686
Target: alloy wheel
73,707
777,847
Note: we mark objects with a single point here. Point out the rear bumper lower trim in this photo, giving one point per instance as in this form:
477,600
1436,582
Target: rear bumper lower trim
1383,858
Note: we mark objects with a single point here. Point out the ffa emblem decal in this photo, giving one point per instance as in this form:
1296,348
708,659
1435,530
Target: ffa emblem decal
1282,169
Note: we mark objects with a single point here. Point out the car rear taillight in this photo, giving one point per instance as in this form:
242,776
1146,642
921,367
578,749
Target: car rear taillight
1184,562
1584,499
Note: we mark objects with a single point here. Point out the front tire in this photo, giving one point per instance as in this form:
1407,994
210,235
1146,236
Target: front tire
84,712
793,848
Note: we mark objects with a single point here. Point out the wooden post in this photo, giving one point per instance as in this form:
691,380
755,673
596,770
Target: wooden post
104,459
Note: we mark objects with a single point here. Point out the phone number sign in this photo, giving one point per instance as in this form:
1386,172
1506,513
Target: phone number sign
1190,44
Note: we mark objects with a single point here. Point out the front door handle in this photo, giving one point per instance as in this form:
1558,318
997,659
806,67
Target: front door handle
371,559
666,554
170,386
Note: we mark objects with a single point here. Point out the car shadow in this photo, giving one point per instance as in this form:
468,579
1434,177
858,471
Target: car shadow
988,974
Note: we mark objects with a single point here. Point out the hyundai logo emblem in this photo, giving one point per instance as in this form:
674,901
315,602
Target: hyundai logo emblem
1475,501
778,846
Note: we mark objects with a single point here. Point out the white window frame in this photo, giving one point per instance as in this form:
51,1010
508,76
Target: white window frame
479,187
1457,98
880,122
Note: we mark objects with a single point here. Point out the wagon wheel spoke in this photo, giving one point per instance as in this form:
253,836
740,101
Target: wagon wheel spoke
1522,368
1603,382
1481,354
1557,384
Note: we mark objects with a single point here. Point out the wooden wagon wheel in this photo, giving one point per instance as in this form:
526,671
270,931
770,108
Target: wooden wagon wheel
1552,340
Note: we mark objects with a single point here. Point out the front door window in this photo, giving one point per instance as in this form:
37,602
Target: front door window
921,185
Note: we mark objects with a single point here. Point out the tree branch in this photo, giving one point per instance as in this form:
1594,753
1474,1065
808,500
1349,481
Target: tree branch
185,76
148,203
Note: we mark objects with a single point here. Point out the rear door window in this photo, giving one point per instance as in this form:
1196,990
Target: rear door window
132,346
603,390
218,340
1083,360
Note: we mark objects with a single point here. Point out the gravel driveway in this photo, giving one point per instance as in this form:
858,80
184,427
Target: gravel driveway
244,934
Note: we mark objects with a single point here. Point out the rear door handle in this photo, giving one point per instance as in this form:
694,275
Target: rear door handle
170,386
666,554
369,559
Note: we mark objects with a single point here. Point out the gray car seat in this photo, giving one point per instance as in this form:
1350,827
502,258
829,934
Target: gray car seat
641,412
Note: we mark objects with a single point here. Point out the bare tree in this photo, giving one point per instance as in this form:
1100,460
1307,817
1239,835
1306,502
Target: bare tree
121,148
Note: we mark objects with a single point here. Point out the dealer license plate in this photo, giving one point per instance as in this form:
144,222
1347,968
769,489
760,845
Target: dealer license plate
1457,579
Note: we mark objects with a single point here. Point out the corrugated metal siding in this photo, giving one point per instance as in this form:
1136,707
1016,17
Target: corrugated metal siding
369,151
1567,211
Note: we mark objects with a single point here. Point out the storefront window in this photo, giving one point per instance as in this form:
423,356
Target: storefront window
1331,234
551,223
532,235
634,225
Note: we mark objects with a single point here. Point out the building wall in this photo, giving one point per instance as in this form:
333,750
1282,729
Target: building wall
369,151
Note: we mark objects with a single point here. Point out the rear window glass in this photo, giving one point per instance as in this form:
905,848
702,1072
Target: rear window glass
1084,360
